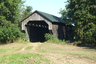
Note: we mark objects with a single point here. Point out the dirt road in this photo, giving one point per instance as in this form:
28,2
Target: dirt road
63,54
55,53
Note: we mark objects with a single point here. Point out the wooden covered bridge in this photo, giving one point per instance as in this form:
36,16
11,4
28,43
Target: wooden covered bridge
38,23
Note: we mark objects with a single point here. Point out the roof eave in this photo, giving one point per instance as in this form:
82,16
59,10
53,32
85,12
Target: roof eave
28,16
44,16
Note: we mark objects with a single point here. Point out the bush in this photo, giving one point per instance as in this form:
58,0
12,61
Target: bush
24,37
9,34
49,36
52,39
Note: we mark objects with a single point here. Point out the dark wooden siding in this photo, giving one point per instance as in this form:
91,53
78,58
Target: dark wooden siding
62,31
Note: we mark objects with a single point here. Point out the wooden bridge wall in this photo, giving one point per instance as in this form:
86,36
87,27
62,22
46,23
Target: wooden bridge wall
62,31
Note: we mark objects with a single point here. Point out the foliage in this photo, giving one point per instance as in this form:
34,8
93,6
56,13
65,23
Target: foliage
26,12
10,9
10,17
49,36
8,30
24,37
52,39
64,16
83,14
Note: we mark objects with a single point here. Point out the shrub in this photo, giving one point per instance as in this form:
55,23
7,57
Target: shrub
52,39
49,36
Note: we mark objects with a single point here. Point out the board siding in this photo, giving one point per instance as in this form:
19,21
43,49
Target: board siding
35,17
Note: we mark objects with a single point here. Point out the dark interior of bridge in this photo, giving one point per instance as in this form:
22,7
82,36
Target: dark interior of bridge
37,29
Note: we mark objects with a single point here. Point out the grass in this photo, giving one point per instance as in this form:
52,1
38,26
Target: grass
21,43
89,48
20,40
52,39
56,41
15,57
34,58
7,49
91,55
4,50
11,48
21,58
29,47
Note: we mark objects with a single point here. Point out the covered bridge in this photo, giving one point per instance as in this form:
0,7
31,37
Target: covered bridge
38,23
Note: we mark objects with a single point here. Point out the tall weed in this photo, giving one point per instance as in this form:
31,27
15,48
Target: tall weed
52,39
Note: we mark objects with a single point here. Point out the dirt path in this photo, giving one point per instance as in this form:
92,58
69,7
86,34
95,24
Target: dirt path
66,54
35,46
55,54
59,54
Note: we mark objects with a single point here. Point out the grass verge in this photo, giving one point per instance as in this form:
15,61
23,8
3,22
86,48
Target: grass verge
21,58
91,55
29,47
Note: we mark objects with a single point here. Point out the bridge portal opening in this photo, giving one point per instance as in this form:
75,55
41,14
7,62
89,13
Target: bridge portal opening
37,30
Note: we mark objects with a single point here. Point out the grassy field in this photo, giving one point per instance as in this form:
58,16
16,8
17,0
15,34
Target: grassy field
46,53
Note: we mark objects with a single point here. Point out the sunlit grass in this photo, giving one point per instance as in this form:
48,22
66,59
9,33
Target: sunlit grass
20,40
7,49
4,50
29,47
10,48
21,58
91,55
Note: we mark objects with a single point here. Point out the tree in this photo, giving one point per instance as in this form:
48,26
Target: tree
66,16
63,15
83,14
26,12
9,11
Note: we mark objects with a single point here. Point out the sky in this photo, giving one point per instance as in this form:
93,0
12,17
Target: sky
49,6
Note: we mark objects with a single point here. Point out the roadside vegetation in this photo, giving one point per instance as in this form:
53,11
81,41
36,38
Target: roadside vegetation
11,13
22,58
52,39
81,13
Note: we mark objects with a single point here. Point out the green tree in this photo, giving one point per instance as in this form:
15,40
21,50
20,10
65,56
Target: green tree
27,11
83,14
9,11
64,16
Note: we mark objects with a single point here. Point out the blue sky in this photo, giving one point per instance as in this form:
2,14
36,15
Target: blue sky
48,6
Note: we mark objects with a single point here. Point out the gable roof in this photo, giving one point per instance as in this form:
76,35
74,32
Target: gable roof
50,17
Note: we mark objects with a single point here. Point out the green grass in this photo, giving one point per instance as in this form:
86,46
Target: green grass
21,58
20,40
52,39
29,47
56,41
7,49
4,50
10,49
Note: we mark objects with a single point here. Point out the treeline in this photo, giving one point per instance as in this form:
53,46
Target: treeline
11,13
81,13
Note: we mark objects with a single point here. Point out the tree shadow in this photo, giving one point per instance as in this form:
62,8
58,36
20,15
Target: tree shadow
87,46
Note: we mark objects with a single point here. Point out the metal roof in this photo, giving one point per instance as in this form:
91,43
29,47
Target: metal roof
52,17
48,16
